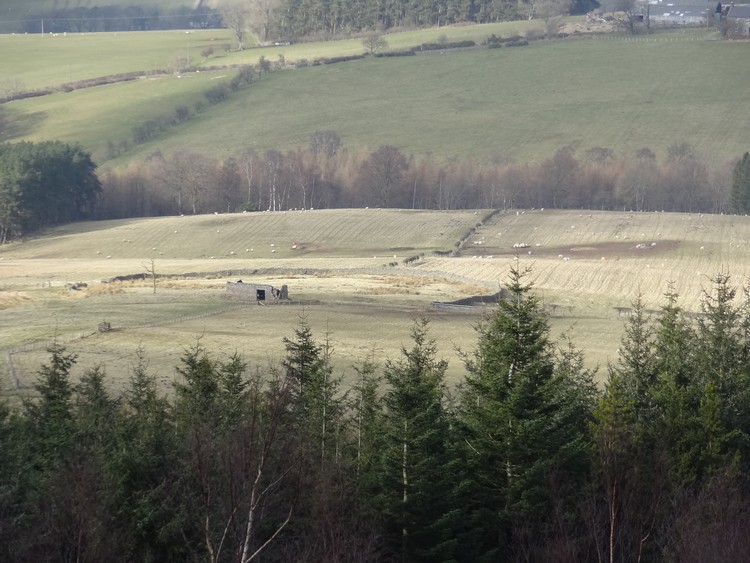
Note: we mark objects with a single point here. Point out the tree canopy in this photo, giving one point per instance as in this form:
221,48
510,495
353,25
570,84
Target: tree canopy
44,184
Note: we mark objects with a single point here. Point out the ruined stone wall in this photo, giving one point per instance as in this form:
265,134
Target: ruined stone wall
258,292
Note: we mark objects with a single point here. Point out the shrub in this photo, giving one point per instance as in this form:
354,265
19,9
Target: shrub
454,45
244,76
217,93
342,59
144,131
181,113
535,33
405,53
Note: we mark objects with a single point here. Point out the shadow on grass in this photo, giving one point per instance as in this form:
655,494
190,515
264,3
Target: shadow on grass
14,124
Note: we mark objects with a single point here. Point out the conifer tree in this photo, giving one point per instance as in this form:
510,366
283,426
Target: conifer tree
677,393
636,366
317,404
524,421
51,414
367,411
144,465
723,352
613,430
416,480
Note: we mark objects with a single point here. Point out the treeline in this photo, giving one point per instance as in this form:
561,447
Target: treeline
327,176
115,18
295,18
527,460
44,184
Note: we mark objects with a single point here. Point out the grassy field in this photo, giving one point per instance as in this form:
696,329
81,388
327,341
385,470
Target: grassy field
38,61
511,104
13,8
587,268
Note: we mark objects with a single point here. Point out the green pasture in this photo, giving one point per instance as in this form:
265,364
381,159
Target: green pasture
509,103
93,116
36,61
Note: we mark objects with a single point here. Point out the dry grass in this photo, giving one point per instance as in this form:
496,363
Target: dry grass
366,307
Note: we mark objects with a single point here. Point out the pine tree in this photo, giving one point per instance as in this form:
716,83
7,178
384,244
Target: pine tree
144,466
613,430
317,404
524,421
677,394
367,410
636,365
416,480
51,414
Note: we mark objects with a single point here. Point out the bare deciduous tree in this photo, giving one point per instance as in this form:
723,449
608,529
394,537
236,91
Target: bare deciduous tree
235,18
150,268
374,42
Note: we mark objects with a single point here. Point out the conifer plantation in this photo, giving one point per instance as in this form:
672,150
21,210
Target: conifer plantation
527,459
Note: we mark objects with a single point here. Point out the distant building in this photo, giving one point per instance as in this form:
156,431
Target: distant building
739,20
668,13
261,293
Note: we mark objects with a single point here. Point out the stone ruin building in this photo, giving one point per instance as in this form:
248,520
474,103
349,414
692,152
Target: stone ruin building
261,293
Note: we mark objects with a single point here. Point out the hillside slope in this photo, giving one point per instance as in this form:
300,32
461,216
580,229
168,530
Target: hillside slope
503,104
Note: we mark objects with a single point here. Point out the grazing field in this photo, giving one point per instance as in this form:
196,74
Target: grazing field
36,61
587,267
507,104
